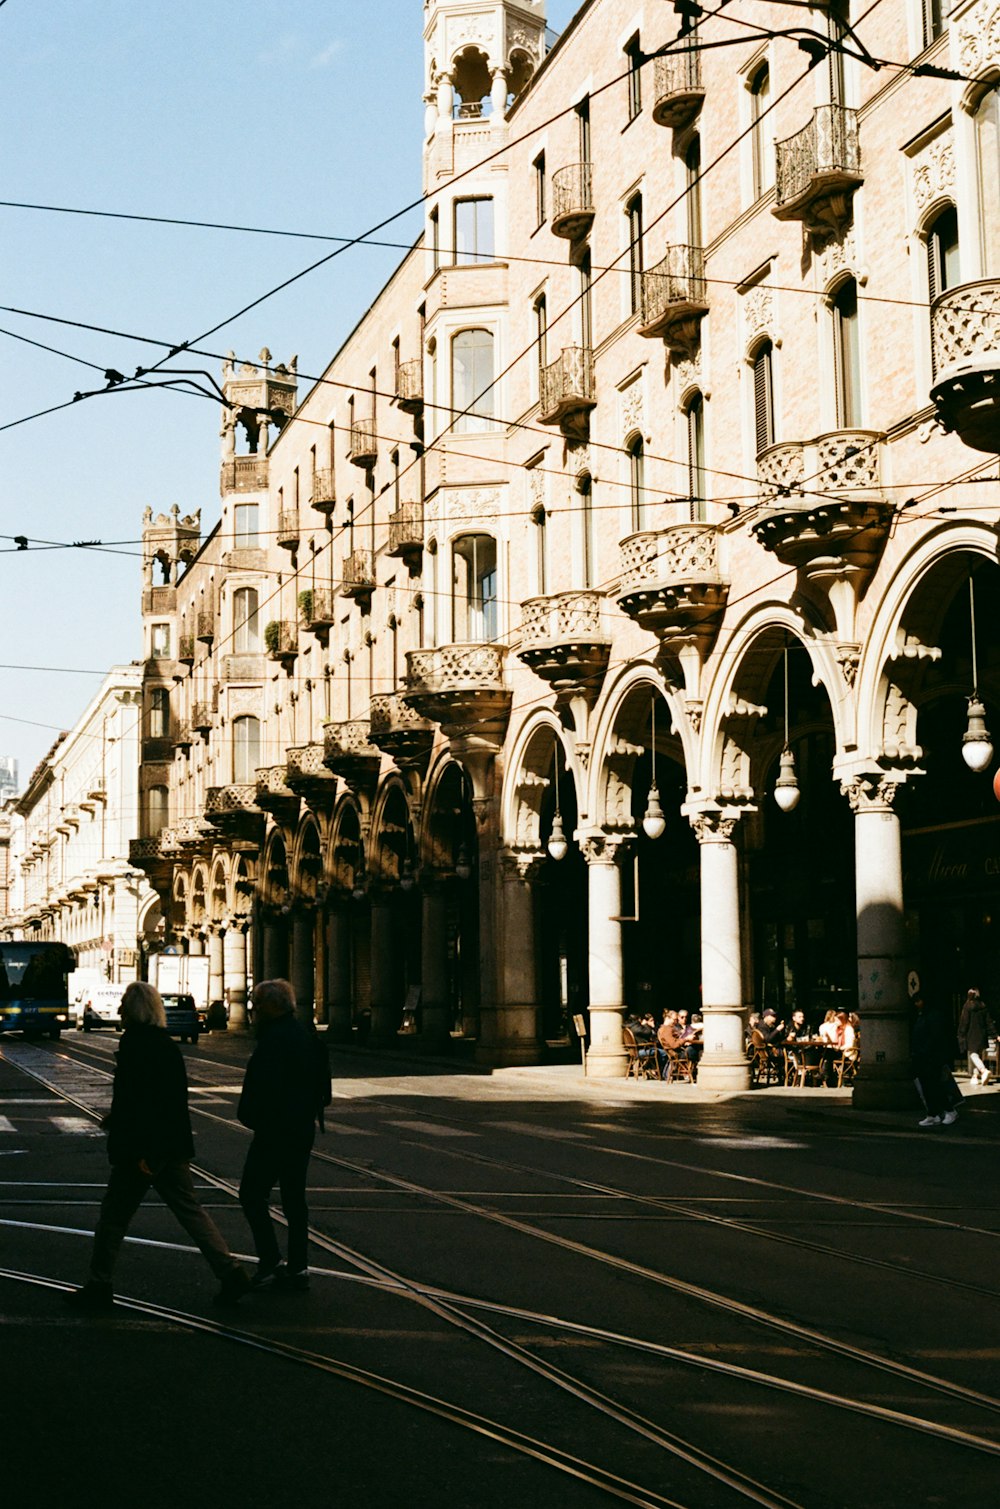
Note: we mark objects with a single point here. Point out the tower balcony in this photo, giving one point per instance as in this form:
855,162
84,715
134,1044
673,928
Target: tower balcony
201,717
675,299
563,643
965,339
306,772
568,390
244,474
362,447
410,386
678,91
461,686
233,809
205,626
399,730
821,501
573,200
324,494
288,529
406,531
358,578
818,170
281,640
273,793
316,610
671,582
349,752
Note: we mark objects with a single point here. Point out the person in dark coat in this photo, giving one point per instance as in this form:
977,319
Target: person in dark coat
279,1104
932,1048
975,1028
150,1146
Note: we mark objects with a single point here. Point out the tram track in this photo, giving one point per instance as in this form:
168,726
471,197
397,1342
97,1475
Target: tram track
807,1336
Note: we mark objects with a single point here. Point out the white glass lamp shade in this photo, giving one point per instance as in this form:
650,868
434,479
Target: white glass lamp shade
557,845
786,787
977,746
654,824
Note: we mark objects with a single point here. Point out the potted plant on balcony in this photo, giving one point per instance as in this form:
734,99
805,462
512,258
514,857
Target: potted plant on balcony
272,637
306,605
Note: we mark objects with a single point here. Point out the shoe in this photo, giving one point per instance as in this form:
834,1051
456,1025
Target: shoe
92,1297
292,1282
232,1289
930,1121
949,1118
984,1076
267,1278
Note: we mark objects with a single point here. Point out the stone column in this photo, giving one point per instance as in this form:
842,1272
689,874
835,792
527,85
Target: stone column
884,1079
303,965
338,974
196,945
235,971
498,95
517,1037
386,970
320,968
445,96
216,981
606,1058
274,952
724,1064
435,1005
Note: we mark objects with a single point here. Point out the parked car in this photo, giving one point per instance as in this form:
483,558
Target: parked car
182,1017
99,1006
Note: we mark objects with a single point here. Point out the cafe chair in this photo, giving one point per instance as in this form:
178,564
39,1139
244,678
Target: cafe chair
679,1066
641,1061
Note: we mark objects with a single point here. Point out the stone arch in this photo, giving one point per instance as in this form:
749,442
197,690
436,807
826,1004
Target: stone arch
274,880
520,71
392,845
620,739
198,899
448,823
218,891
306,867
244,884
178,915
528,777
345,857
470,69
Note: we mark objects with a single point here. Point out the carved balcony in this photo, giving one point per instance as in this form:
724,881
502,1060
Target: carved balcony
202,714
817,171
169,845
288,529
398,728
183,736
185,649
97,792
362,446
965,339
145,854
572,200
233,810
406,532
678,91
410,386
671,583
358,578
281,640
194,835
563,642
461,687
324,493
273,792
822,509
349,752
306,771
316,610
675,299
205,625
244,474
568,391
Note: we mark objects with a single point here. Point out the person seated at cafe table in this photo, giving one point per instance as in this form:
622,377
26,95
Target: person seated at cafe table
644,1032
772,1034
669,1038
797,1032
692,1036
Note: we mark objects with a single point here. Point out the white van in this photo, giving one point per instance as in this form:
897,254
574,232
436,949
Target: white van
98,1006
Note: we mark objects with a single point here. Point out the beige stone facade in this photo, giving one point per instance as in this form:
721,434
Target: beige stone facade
666,451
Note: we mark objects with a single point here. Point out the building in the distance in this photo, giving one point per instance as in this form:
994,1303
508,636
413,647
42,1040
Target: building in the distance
610,626
8,777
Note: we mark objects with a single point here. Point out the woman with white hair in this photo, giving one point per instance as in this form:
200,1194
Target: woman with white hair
150,1145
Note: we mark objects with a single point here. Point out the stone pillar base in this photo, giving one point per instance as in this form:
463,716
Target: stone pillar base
606,1065
895,1094
509,1036
724,1076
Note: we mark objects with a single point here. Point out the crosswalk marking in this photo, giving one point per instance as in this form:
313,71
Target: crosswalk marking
5,1125
432,1131
78,1125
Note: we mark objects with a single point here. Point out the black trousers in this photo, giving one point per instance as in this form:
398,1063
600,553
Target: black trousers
282,1159
172,1182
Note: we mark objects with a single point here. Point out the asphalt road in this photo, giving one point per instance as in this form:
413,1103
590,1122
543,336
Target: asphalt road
526,1289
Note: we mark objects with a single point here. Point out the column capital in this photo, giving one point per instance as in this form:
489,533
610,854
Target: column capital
872,791
522,865
605,848
717,826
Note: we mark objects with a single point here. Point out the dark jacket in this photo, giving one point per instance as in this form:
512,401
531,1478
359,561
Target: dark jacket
149,1106
975,1026
932,1041
279,1090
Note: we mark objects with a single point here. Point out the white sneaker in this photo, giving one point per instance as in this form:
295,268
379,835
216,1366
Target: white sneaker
930,1121
984,1076
948,1118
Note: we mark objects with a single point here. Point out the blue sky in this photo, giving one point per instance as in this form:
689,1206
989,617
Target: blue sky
253,112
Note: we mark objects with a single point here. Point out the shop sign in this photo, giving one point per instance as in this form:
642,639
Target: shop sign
953,860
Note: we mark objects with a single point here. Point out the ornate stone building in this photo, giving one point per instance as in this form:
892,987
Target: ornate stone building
660,477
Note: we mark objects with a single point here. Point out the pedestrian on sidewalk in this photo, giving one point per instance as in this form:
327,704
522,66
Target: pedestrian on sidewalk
283,1095
150,1146
931,1045
975,1028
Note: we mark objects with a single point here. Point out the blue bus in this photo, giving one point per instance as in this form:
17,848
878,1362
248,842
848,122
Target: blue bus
33,994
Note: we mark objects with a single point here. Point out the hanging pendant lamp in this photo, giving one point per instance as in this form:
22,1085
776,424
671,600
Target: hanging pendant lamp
654,824
786,787
977,746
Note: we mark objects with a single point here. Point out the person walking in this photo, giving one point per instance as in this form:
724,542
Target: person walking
930,1044
150,1146
280,1103
975,1028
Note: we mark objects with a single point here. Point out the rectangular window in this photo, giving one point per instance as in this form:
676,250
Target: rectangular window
159,713
692,174
585,487
473,231
933,20
633,53
540,206
583,127
160,640
847,357
762,147
245,526
696,457
472,381
763,399
542,331
586,313
541,550
634,213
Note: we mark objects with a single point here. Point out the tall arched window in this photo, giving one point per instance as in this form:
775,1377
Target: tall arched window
246,628
585,487
847,356
692,172
246,750
695,415
942,253
474,589
763,398
472,380
159,713
988,164
762,151
637,482
157,810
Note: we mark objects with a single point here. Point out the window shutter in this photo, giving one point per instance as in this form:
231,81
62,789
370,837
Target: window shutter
763,399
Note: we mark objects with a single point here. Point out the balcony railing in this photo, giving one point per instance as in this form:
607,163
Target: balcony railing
674,298
288,529
359,574
363,445
410,385
349,752
671,582
244,474
572,200
965,339
823,500
406,530
185,649
202,714
818,169
324,494
845,464
228,806
205,626
567,389
461,686
678,90
281,640
399,729
563,641
316,608
273,791
305,771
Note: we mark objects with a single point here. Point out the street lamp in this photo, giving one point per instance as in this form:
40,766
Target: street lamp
977,746
557,845
463,869
654,824
786,787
